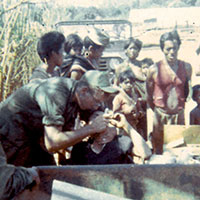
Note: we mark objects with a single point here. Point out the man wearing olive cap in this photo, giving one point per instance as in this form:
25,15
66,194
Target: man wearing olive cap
38,120
94,44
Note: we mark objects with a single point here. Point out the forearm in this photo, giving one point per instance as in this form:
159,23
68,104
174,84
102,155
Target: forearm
150,88
20,180
63,140
75,75
189,95
139,143
76,72
128,109
150,95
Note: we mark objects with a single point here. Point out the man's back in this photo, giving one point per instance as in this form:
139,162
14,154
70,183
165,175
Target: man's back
23,116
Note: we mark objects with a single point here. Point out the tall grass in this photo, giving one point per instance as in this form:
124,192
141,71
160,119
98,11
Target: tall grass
19,32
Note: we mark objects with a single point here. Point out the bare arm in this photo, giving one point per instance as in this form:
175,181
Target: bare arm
139,143
76,72
123,104
189,71
118,69
150,85
137,71
140,146
55,139
116,104
14,180
188,68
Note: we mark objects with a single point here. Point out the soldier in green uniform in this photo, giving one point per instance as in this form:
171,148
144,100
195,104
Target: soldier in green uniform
38,120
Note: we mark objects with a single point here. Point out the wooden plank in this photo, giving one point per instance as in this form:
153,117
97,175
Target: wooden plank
192,134
173,133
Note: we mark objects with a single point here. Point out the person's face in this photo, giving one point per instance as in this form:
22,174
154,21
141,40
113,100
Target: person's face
170,51
96,53
132,51
76,51
126,85
91,99
58,57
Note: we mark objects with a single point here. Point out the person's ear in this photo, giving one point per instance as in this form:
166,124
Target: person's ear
91,48
81,92
53,53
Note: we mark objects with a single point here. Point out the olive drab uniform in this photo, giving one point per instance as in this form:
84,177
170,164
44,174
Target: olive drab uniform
13,179
25,113
39,73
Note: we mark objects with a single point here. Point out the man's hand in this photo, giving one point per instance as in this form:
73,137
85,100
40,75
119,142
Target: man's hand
99,124
119,120
34,173
33,189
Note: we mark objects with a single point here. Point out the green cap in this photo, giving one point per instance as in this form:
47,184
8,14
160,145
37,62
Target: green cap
99,79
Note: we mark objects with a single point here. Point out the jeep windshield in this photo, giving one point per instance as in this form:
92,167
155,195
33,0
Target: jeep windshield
118,30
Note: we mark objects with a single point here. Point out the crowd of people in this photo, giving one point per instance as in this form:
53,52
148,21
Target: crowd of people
63,109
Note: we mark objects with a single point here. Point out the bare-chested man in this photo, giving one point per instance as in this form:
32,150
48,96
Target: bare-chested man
168,83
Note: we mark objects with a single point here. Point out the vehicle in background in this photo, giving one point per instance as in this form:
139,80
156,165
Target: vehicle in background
118,30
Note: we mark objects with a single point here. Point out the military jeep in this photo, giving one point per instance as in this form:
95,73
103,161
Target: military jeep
118,30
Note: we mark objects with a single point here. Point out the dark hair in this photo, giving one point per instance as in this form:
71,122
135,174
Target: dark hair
195,89
148,61
173,35
87,42
131,40
73,40
49,42
127,74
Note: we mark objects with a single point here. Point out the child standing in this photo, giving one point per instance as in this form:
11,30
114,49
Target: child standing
195,113
145,64
128,100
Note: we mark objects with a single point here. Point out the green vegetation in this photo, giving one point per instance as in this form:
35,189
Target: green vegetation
18,37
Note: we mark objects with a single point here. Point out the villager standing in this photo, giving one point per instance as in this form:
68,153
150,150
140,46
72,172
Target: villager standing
132,49
168,85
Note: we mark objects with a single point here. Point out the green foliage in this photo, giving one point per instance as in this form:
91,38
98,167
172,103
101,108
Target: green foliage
18,41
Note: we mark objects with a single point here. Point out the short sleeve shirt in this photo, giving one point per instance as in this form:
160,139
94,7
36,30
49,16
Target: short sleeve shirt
54,98
24,114
39,73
